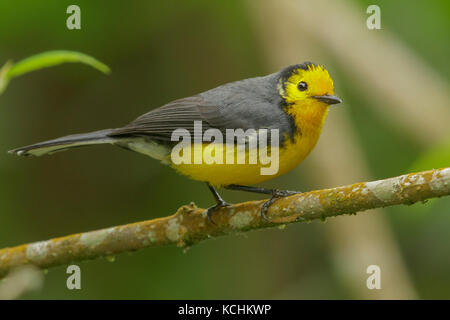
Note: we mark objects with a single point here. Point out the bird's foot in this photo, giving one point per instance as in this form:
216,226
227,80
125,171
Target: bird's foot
210,210
276,194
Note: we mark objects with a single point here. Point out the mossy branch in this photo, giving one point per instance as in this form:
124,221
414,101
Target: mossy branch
189,224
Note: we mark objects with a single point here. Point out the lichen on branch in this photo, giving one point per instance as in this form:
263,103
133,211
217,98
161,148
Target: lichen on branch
189,225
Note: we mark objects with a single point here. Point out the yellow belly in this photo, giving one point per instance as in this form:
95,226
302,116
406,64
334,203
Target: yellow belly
290,155
308,116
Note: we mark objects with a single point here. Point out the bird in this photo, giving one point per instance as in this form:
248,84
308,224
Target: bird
291,105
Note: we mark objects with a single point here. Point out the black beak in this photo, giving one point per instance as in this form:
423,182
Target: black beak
328,99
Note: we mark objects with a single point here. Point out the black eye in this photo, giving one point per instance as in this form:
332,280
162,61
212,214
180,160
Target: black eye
302,86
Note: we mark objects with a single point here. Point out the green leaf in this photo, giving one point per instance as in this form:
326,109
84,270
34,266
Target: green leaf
53,58
45,60
4,79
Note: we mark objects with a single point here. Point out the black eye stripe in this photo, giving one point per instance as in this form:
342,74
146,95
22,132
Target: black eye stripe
302,86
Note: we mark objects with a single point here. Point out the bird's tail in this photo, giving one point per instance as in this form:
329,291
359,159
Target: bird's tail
64,143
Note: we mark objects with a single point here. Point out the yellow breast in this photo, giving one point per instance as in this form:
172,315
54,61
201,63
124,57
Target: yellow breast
308,118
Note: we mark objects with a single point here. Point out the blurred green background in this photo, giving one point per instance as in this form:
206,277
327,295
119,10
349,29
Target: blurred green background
163,50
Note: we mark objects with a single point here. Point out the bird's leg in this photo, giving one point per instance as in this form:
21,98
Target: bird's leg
275,194
219,203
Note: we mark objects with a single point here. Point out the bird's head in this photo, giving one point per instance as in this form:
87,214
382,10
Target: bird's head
307,82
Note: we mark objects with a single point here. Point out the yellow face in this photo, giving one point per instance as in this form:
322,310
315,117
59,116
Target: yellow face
313,82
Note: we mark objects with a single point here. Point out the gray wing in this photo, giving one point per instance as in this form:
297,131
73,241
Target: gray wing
245,104
161,122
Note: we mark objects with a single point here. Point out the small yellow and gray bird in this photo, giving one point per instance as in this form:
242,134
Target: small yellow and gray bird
294,101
